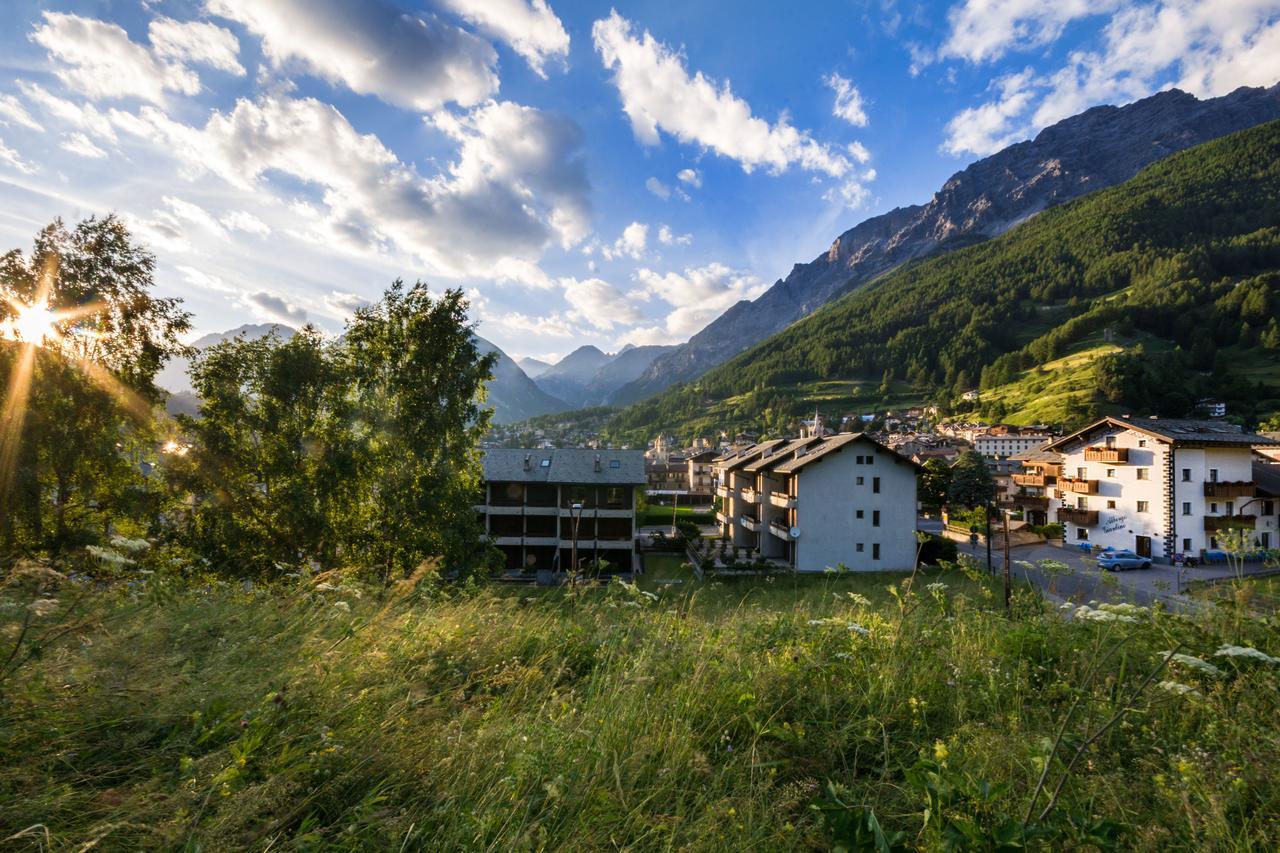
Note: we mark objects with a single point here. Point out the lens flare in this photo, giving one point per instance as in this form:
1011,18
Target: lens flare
33,324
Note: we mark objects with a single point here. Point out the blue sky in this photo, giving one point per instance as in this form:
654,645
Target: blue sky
589,174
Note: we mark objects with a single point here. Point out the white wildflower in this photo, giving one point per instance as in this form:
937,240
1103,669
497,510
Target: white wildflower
1244,652
43,607
816,622
858,629
1195,663
132,546
858,599
1084,611
108,556
343,606
1179,688
325,587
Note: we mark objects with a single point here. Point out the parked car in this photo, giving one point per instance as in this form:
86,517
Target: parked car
1114,561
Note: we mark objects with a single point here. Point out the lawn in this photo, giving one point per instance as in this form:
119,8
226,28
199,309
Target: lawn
754,714
656,515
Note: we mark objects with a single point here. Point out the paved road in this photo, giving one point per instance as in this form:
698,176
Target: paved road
1084,581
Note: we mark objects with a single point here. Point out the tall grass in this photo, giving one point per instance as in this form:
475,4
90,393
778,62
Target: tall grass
764,715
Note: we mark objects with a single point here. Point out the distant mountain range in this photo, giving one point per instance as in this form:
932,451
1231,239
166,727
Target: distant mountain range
1096,149
532,367
589,377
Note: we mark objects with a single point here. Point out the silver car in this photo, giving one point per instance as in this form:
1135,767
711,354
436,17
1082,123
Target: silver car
1114,561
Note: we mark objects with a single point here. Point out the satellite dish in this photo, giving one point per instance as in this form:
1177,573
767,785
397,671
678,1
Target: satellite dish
794,533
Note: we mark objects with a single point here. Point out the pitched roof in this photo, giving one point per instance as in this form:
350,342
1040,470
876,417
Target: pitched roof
1037,454
1266,474
747,454
780,454
1170,430
564,465
835,444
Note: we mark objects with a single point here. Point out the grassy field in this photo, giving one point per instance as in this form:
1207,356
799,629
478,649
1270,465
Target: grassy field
784,714
657,515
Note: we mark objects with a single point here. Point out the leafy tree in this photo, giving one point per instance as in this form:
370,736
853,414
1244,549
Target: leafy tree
935,483
80,384
971,482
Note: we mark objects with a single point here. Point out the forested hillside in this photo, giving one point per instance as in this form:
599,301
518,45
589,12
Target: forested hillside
1187,252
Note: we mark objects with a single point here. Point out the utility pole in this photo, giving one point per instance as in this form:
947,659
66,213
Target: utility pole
1007,571
575,509
986,511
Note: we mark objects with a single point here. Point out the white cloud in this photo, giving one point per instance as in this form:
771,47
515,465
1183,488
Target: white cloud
551,325
98,59
517,185
199,42
858,151
697,296
273,306
81,145
691,177
531,28
373,48
667,237
240,220
13,159
658,188
984,30
852,193
343,304
848,105
658,93
599,304
12,110
87,117
632,243
1207,47
204,280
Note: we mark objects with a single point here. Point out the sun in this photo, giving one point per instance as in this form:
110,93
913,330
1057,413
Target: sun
33,324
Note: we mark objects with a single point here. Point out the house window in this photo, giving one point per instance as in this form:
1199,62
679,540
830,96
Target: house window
1186,544
875,518
615,463
1082,503
1111,472
1213,475
1142,442
1111,504
1264,539
1111,441
875,485
1082,534
858,514
1144,506
1268,508
1213,507
1186,475
1186,507
1082,473
1144,474
859,481
1213,541
1231,507
858,547
875,550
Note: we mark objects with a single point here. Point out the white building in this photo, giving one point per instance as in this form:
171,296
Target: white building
817,503
1159,486
1002,445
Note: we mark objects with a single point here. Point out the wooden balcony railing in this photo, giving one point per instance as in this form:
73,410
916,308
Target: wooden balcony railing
1036,480
1238,489
1078,486
1083,517
1106,454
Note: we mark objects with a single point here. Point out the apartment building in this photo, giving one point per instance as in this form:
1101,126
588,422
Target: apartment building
701,474
1035,483
532,499
819,502
1002,443
1159,486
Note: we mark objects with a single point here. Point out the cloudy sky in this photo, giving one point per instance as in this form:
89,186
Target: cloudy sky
589,174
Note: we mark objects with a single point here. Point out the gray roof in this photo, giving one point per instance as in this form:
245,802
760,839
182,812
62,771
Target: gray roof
1038,454
747,454
564,465
780,453
1171,430
1266,474
836,443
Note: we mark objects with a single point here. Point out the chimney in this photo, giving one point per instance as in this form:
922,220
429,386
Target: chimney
528,465
597,461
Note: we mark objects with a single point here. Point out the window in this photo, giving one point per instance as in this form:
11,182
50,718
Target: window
1231,507
1082,473
875,518
1213,507
858,514
1142,442
1186,507
1111,472
875,485
1144,474
1186,544
858,547
875,550
1186,475
1082,503
1111,504
545,463
1268,508
615,463
1264,539
1111,441
1144,506
860,481
1213,475
1082,534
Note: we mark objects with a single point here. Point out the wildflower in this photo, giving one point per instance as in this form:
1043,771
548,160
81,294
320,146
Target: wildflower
937,587
343,606
816,622
1179,688
108,556
858,629
858,599
325,587
132,546
1195,663
1244,652
940,751
43,607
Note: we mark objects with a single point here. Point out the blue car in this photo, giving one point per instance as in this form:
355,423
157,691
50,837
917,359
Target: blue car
1114,561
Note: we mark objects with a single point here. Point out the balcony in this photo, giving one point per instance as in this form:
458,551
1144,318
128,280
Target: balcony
1082,517
750,495
1229,522
1107,454
1037,501
780,530
1078,486
721,518
782,500
749,523
722,491
1239,489
1033,480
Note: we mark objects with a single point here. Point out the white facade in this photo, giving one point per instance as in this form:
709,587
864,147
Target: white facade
1157,487
1004,446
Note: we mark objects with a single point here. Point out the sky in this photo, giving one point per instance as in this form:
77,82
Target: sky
587,173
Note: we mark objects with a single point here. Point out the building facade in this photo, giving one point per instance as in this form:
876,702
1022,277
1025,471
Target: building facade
1034,485
820,502
539,504
1157,486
